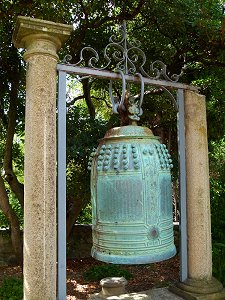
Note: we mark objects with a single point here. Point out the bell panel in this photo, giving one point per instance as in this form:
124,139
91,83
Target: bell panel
119,199
165,195
150,176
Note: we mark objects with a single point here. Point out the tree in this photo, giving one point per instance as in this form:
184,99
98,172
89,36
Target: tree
12,69
186,34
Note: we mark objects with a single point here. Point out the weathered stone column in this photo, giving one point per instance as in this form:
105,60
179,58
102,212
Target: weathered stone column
198,195
200,283
41,39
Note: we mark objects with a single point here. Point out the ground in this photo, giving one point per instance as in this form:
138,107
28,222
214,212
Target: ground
144,276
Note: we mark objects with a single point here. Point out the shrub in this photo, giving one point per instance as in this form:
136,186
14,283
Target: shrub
103,271
11,289
218,255
217,182
85,216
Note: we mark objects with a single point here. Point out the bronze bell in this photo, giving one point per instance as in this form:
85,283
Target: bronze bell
131,196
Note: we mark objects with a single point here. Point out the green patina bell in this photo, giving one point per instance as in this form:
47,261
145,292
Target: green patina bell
131,198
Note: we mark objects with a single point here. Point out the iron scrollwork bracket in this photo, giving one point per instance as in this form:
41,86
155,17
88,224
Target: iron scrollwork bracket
127,59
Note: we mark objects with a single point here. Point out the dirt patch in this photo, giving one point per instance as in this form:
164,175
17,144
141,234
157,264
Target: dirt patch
144,276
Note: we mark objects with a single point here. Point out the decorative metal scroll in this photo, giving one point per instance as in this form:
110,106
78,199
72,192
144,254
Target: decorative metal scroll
125,58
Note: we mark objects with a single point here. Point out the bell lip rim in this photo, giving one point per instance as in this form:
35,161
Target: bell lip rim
132,260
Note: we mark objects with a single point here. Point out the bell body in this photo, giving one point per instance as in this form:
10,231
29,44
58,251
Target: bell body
132,220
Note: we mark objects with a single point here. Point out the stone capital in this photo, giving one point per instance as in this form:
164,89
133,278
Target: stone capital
40,36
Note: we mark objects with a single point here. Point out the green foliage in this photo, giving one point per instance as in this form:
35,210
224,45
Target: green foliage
17,208
85,216
100,272
11,289
83,133
217,180
4,222
218,256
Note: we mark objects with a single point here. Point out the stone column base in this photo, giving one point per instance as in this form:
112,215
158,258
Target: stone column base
193,289
113,286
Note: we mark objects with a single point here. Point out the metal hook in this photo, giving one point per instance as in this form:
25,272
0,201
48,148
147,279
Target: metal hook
120,102
172,98
115,104
142,89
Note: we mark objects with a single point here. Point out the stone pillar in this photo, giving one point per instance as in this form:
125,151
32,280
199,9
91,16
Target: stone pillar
200,283
41,39
198,195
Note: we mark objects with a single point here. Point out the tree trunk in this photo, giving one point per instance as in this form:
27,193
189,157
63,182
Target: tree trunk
10,176
87,96
16,238
73,214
